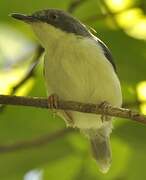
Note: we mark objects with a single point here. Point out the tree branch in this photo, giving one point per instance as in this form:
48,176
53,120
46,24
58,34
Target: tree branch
102,16
74,106
74,4
29,73
37,142
109,12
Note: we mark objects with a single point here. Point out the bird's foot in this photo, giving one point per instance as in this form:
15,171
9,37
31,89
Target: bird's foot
105,107
53,101
69,119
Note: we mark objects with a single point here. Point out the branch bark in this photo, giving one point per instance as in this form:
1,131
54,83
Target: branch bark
29,73
74,106
37,142
74,4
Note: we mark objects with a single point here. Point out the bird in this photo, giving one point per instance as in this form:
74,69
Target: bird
78,66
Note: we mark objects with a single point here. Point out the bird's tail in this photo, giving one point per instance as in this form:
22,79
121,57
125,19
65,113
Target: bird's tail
100,145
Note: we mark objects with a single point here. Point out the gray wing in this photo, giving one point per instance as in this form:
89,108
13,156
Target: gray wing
107,53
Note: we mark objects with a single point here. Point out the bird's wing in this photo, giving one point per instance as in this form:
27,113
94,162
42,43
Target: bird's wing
107,52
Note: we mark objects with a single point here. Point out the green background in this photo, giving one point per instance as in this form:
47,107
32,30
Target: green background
68,157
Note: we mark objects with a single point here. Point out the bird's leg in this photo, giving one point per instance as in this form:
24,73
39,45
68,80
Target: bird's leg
53,105
105,106
53,101
69,119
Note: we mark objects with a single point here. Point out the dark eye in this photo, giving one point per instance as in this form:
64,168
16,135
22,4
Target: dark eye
53,16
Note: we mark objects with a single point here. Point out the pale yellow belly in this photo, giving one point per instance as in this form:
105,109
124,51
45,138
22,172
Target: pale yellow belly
89,79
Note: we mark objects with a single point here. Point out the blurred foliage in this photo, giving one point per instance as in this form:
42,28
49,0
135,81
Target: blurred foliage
121,24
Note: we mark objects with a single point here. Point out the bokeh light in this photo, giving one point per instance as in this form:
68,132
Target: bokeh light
14,47
141,90
118,5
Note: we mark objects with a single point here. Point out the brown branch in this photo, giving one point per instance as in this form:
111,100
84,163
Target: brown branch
29,73
74,106
37,142
109,12
101,16
74,4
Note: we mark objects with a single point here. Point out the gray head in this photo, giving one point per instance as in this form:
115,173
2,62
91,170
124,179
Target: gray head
51,24
56,18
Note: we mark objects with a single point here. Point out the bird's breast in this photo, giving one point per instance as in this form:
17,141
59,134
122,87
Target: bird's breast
77,70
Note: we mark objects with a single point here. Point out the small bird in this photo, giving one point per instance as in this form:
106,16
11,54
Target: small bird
78,66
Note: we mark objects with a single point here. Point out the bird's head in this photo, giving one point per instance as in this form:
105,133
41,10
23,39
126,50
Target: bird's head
51,24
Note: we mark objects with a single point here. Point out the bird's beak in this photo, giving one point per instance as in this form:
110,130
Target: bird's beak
25,18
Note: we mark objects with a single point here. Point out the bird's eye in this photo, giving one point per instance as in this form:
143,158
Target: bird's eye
53,16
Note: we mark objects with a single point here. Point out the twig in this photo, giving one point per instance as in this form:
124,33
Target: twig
37,142
74,106
102,16
74,4
107,9
29,73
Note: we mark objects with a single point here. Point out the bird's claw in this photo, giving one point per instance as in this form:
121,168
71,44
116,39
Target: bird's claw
104,106
53,101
